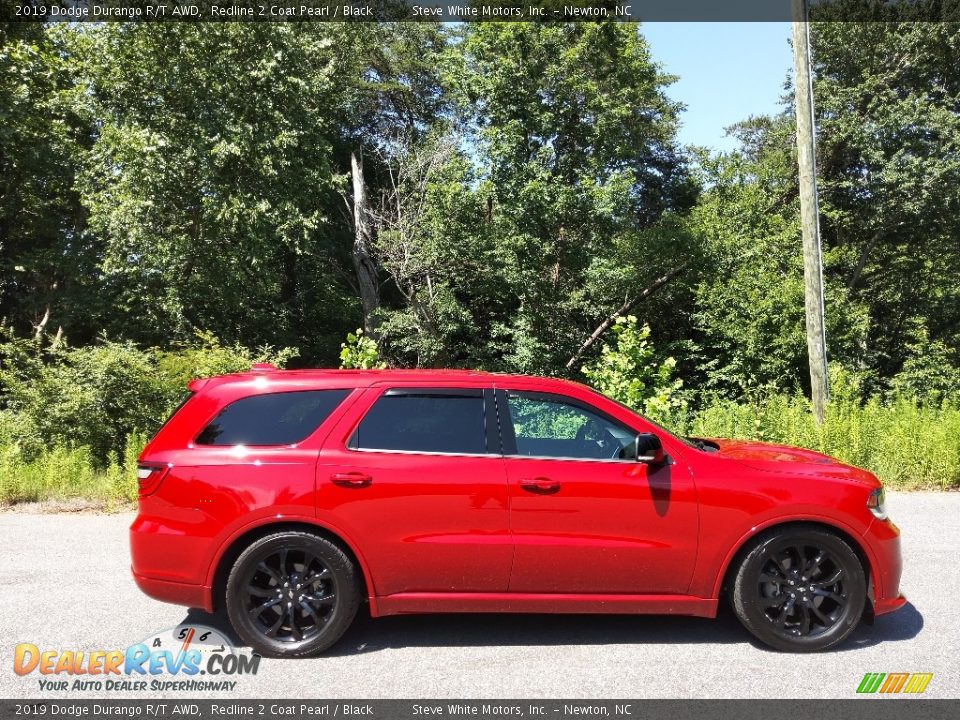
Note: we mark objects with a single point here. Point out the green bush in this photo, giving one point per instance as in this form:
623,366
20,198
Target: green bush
95,397
360,352
74,420
630,372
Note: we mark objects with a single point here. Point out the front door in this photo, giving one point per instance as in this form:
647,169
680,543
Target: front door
586,517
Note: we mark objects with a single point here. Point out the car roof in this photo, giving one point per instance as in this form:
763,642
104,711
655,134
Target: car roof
366,378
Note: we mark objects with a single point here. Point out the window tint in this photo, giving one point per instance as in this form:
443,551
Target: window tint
424,421
273,419
549,426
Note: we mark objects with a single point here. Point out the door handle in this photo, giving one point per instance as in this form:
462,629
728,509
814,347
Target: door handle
540,485
351,479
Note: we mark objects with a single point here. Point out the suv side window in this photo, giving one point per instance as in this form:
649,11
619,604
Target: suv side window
283,418
547,425
446,420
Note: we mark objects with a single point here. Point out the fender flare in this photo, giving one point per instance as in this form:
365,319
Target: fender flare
279,521
855,535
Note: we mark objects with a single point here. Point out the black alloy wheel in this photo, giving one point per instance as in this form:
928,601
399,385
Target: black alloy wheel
292,594
800,589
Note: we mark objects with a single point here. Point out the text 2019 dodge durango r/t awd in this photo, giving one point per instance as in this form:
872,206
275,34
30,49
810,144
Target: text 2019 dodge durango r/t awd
289,497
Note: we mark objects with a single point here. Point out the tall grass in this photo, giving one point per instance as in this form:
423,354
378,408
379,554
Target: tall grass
907,445
65,473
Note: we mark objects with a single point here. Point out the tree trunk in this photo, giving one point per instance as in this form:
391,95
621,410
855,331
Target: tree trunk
362,262
605,325
862,261
41,326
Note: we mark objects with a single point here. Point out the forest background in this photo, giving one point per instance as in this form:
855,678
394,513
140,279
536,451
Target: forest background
182,200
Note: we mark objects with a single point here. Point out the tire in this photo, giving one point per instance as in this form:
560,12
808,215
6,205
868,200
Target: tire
292,594
773,601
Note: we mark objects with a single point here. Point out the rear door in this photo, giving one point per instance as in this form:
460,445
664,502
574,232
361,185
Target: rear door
414,476
587,517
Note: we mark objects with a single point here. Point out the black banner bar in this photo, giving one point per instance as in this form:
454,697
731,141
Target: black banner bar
473,10
876,708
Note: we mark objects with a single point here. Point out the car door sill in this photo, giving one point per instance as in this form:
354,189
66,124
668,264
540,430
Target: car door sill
461,602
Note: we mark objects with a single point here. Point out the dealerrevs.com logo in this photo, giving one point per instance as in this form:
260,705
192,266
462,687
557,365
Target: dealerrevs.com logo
171,660
894,683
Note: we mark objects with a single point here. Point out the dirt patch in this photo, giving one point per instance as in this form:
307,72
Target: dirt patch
70,505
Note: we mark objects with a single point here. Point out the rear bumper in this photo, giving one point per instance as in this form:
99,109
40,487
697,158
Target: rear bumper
169,559
197,596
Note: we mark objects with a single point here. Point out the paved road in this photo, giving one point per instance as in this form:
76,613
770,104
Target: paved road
64,584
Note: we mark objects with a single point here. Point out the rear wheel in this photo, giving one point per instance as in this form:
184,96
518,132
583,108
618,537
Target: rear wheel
800,589
292,594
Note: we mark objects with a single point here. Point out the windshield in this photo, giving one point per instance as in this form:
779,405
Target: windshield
695,443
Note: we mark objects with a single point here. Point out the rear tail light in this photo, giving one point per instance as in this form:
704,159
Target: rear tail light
149,478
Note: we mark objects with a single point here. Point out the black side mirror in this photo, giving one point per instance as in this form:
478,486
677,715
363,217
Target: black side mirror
649,449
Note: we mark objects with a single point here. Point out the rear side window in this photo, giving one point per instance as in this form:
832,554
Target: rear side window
446,421
271,419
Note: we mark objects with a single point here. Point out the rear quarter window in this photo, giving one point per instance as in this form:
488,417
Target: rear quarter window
271,419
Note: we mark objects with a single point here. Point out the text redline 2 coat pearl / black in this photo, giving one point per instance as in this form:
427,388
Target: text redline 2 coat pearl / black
290,498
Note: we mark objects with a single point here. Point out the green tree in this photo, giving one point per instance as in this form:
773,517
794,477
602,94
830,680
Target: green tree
46,264
888,113
212,190
438,253
391,76
630,372
575,135
887,96
748,305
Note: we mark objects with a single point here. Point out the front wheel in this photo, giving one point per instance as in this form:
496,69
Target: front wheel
800,590
292,594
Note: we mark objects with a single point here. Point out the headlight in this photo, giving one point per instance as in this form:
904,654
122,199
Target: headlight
876,501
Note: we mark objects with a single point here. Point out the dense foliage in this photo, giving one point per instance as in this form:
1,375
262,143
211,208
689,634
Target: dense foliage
172,195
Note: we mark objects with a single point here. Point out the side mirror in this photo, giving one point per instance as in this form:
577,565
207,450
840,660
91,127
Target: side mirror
649,449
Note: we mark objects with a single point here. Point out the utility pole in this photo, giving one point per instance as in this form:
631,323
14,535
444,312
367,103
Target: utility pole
809,211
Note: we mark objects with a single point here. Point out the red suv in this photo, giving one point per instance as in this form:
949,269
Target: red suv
290,497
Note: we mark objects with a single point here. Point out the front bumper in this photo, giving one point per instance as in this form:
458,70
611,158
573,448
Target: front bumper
882,607
883,538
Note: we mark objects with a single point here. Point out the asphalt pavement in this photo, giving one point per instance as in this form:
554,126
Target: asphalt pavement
65,585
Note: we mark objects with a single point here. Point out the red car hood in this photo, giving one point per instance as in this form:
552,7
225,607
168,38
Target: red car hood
751,451
783,458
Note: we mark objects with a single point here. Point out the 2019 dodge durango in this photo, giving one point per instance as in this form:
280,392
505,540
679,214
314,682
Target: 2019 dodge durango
289,498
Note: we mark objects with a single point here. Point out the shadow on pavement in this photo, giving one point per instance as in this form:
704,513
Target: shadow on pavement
904,624
368,635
